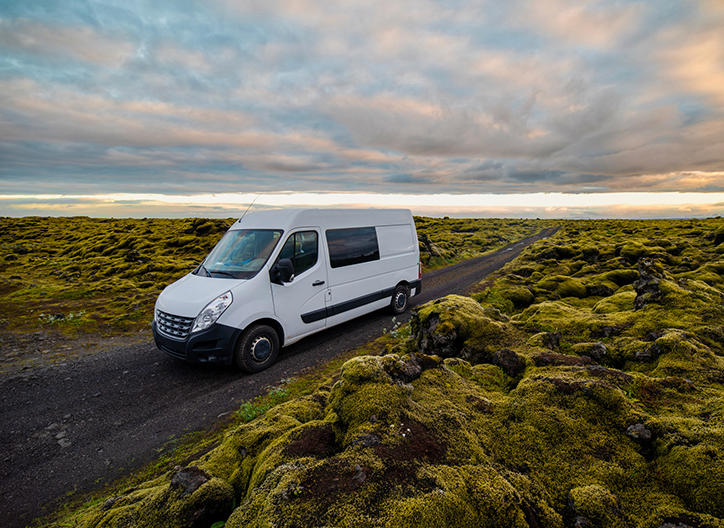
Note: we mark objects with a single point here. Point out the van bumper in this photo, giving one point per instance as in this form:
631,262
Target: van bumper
214,346
416,287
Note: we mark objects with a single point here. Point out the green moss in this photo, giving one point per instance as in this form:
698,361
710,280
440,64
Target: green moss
358,396
596,504
68,263
541,340
520,296
634,250
459,326
620,277
444,241
497,298
563,286
697,475
561,317
164,505
668,511
621,301
469,495
683,356
410,438
489,377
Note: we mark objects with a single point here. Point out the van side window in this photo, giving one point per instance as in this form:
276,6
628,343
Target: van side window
352,246
302,249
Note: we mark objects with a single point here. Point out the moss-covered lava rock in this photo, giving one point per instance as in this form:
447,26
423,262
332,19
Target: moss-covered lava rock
597,402
448,240
457,326
191,500
417,441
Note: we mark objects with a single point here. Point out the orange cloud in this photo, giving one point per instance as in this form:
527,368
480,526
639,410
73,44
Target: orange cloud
585,22
78,42
695,61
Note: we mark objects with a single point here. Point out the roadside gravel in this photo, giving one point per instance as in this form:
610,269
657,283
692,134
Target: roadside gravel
81,423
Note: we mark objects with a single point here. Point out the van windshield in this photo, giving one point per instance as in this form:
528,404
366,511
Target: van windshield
240,254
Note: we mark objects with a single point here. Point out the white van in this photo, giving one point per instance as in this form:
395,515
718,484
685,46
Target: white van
278,276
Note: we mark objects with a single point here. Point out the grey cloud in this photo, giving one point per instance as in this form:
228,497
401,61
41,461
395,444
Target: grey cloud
597,109
278,166
533,176
183,95
514,116
509,173
488,171
414,179
571,179
453,132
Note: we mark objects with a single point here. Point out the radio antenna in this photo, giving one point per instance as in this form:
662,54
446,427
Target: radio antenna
247,209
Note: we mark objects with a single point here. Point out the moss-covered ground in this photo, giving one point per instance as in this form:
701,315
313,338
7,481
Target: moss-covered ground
444,241
581,386
87,273
67,278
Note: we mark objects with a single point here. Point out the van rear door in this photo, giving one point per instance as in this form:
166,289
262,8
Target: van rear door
300,305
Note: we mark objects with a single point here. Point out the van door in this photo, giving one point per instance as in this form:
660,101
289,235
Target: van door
356,280
300,305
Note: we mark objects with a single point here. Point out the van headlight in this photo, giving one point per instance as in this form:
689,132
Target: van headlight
212,312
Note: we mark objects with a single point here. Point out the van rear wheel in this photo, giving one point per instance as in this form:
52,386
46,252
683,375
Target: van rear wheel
257,349
400,299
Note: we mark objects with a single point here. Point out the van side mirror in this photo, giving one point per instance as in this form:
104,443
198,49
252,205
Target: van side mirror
282,271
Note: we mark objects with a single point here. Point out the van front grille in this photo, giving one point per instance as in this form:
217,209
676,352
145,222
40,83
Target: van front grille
173,326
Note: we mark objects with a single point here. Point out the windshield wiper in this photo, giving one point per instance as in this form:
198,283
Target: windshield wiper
222,272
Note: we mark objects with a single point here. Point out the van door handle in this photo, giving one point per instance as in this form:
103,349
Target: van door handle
317,283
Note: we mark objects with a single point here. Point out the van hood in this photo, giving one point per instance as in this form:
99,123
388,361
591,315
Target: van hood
189,295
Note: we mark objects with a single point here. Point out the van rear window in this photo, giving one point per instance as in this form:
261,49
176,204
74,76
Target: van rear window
352,246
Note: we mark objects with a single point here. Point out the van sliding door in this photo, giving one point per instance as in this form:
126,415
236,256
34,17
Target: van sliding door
356,284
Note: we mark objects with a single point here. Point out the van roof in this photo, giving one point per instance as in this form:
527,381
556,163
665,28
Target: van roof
325,218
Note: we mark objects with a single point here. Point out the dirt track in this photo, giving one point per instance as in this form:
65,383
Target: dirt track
87,421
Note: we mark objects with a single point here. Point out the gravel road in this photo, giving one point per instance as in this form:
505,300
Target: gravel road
84,422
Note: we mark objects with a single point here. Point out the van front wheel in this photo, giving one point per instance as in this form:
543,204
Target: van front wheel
400,299
257,349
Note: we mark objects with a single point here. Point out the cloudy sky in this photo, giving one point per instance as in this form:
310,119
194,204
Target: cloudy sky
135,108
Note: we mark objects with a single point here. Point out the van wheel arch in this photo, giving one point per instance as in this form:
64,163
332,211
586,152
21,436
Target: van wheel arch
275,325
258,345
400,298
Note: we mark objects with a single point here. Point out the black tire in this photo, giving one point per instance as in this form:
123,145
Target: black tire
400,299
257,349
